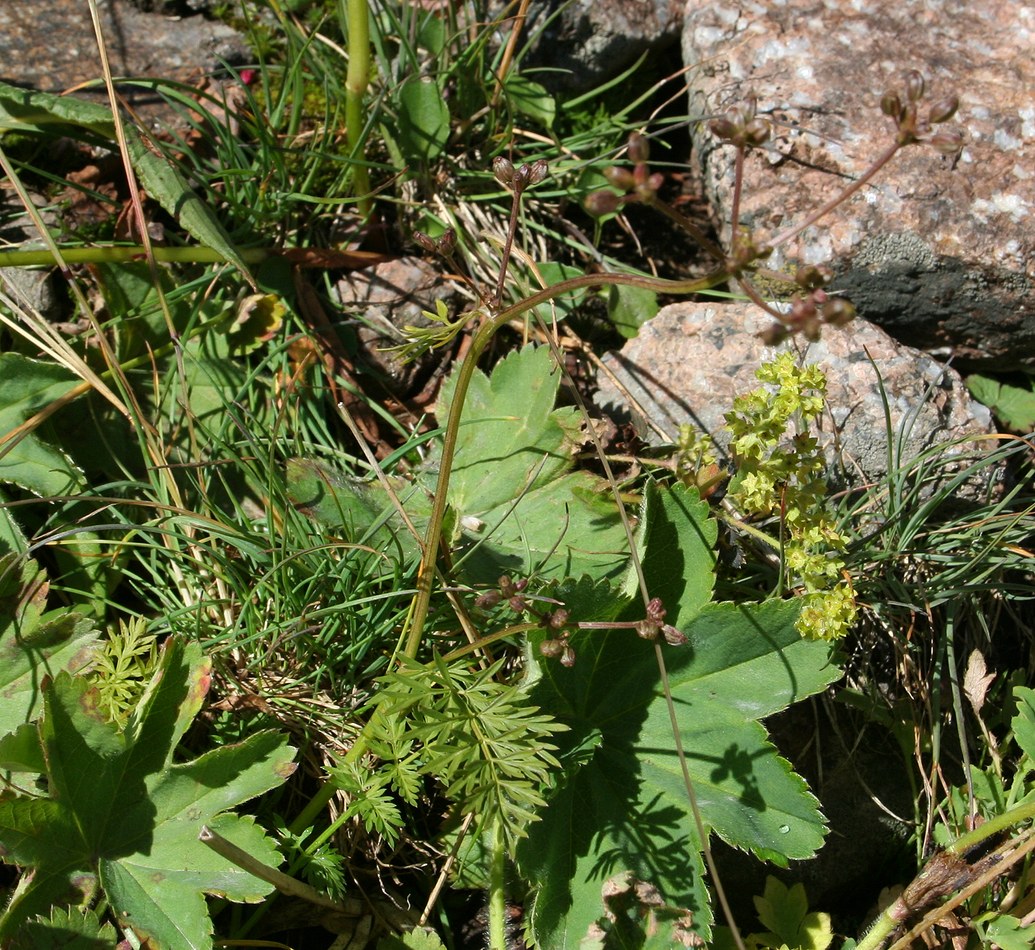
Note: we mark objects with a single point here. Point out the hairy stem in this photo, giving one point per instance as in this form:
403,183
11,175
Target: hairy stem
497,895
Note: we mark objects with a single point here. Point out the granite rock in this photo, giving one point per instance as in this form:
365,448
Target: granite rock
385,299
585,42
693,359
144,45
940,253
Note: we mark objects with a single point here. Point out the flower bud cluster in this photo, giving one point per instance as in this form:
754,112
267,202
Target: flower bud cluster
554,621
741,126
903,107
639,184
559,626
521,177
811,309
654,624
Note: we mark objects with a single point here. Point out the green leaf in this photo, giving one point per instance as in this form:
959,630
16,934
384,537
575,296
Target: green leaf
625,808
66,930
20,751
33,644
552,273
1014,405
363,509
630,308
516,506
420,938
36,463
636,919
121,808
25,110
129,290
519,507
423,119
31,462
1009,933
1024,722
43,112
171,190
785,911
530,98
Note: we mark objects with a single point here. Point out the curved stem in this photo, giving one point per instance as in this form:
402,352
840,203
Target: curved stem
886,156
426,572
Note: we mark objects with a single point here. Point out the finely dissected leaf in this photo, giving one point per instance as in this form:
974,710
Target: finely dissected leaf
480,738
514,495
120,807
624,807
34,644
31,462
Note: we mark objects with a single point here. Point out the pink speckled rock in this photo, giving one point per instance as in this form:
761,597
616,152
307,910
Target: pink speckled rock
941,255
691,361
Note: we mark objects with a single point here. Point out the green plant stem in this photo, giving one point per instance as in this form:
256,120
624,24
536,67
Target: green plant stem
122,254
281,881
497,895
426,573
485,333
357,78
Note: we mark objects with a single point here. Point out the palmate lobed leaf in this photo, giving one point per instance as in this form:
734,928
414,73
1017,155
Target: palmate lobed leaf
120,808
520,509
621,804
511,438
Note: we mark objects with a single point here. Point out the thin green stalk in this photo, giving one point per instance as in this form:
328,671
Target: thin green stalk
485,333
497,895
357,78
126,253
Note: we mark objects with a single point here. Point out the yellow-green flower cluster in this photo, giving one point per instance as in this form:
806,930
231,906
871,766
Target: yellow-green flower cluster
780,471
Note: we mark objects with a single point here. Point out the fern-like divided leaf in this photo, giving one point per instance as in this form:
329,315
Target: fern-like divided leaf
479,738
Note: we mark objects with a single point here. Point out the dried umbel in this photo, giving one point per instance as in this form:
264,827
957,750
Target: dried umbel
741,126
813,309
638,184
519,178
903,107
